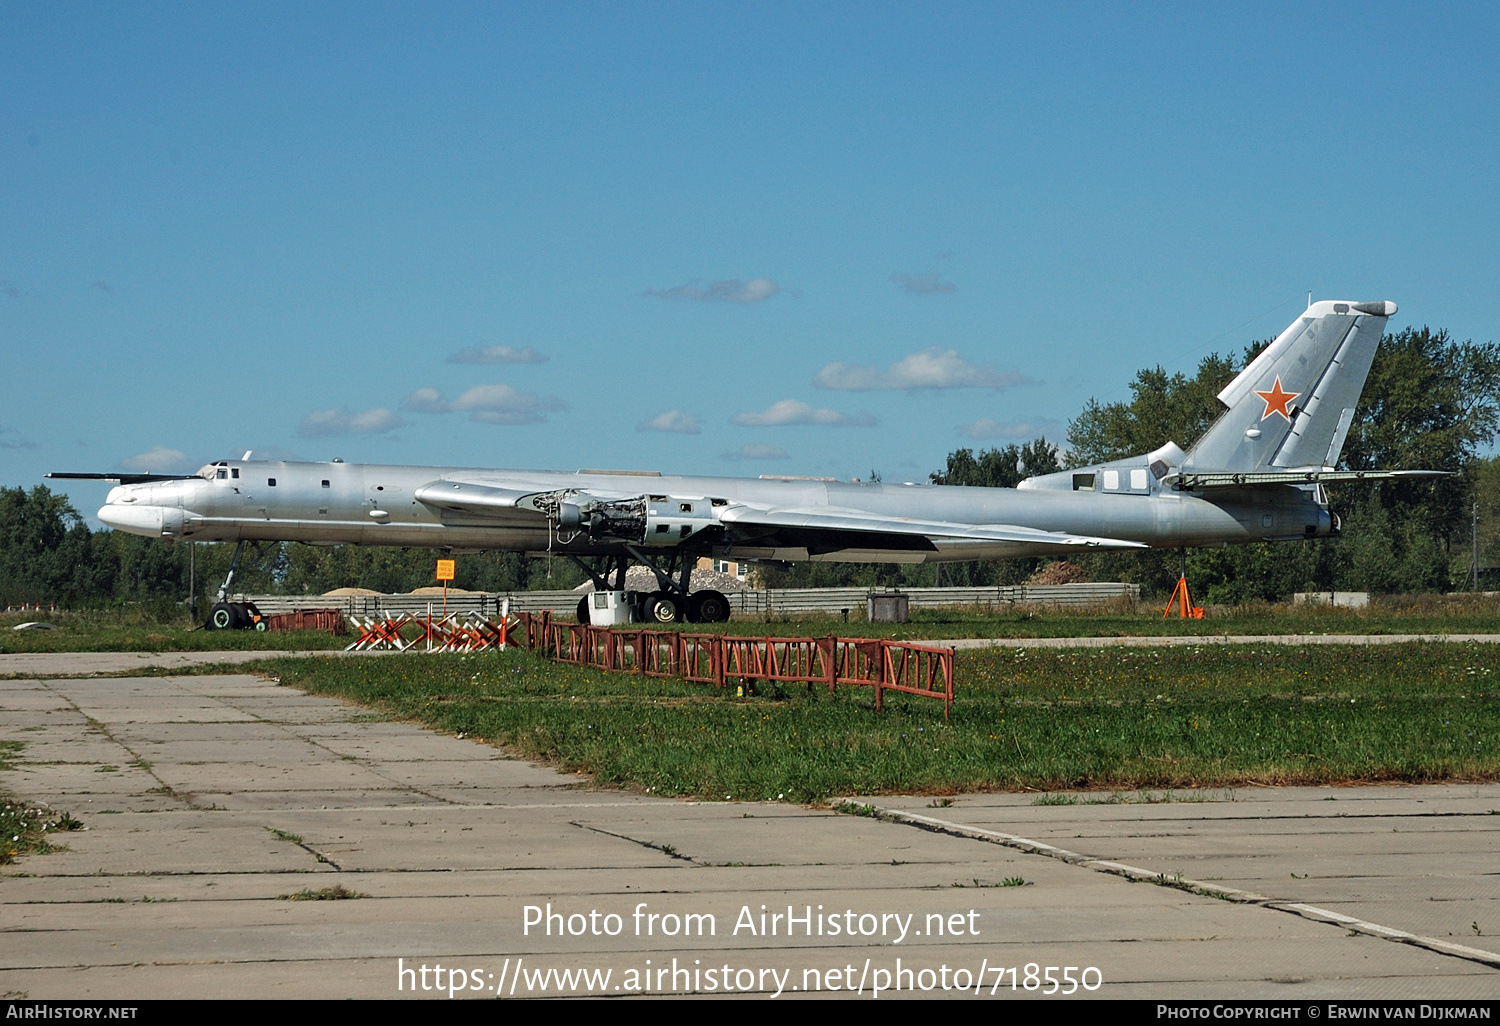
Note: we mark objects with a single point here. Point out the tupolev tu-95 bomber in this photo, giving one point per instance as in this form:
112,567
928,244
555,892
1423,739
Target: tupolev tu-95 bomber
1256,475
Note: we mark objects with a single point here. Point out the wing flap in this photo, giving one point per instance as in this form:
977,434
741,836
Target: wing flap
835,519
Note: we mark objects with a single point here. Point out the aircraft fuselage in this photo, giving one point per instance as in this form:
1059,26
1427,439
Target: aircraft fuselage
372,504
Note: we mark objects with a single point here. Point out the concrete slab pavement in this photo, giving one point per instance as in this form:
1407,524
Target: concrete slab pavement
230,794
1418,859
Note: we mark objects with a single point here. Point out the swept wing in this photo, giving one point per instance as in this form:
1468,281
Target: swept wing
835,519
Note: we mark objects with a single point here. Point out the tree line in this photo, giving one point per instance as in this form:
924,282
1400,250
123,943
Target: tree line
1430,403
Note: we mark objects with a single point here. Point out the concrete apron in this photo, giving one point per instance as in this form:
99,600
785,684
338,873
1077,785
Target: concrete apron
209,799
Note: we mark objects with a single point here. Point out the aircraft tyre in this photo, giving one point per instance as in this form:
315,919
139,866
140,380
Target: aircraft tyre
708,607
221,617
583,609
663,608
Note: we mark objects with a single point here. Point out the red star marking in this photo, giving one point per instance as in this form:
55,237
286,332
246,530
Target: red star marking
1277,401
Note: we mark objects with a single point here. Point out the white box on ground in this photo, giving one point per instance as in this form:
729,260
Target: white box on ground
610,608
1351,599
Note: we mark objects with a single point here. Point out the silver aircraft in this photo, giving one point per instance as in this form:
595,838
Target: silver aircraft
1256,475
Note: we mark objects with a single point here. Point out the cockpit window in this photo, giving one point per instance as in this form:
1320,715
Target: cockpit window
223,474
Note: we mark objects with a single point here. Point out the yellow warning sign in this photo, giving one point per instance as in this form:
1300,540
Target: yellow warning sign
445,569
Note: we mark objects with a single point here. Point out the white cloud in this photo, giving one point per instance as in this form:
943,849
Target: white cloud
158,460
731,290
792,411
425,400
924,284
985,428
498,354
487,404
674,421
756,451
931,368
344,421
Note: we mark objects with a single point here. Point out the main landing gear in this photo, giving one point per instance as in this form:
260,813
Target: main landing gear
672,602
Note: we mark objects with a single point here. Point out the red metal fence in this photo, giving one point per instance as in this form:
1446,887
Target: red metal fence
330,620
705,658
717,659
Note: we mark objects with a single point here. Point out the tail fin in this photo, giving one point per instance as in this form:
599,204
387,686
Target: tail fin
1292,407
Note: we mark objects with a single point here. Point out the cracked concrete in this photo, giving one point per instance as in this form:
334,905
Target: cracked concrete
209,799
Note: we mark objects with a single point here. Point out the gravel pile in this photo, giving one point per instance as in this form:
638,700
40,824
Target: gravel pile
638,578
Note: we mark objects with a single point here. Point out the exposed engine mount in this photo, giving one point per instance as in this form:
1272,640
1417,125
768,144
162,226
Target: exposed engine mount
655,520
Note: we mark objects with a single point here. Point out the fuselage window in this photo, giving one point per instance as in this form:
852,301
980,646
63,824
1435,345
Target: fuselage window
1138,480
1083,482
235,473
325,484
270,482
1111,480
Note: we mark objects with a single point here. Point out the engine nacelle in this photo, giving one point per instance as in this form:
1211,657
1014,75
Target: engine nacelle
657,520
673,519
150,521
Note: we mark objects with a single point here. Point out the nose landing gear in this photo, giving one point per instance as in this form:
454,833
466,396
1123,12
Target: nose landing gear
237,616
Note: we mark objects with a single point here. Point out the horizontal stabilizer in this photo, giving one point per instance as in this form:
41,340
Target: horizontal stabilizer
1296,477
834,519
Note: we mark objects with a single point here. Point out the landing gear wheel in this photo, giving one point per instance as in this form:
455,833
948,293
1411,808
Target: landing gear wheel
583,609
708,607
221,617
241,616
262,625
663,608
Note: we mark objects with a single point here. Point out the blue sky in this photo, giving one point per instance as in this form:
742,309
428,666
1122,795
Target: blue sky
707,238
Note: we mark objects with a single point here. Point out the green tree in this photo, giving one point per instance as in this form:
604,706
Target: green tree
1163,408
1429,404
45,549
999,468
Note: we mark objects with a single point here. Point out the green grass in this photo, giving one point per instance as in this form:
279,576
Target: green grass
1420,614
338,892
132,631
1105,720
135,631
26,827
